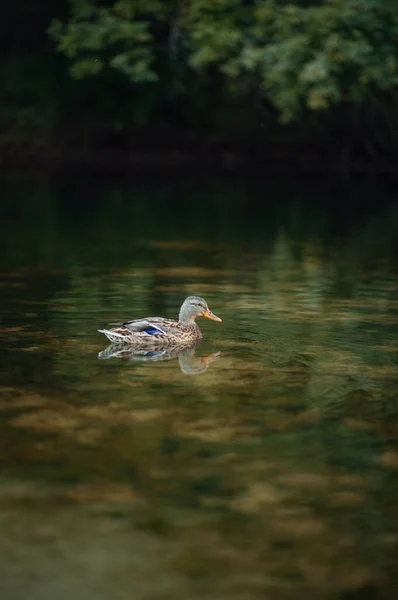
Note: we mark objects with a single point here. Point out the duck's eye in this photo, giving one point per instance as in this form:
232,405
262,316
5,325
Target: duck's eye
199,305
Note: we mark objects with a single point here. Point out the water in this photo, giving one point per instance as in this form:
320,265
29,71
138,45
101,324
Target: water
261,464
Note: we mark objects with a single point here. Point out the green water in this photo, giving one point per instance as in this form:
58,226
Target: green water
263,464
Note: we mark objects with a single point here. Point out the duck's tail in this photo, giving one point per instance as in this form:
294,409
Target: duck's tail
113,336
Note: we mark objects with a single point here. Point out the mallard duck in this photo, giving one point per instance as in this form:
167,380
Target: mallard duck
157,332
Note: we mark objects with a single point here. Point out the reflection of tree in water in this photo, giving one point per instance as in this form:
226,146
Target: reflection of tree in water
190,364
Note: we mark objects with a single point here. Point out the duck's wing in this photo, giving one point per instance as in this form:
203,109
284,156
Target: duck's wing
150,325
145,326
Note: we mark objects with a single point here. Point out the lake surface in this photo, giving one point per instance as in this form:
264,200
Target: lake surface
264,463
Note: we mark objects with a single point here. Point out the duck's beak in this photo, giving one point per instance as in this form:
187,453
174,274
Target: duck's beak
209,315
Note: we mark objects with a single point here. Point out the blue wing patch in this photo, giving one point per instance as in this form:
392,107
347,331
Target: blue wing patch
151,330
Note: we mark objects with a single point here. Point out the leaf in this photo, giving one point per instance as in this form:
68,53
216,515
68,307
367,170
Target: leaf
87,66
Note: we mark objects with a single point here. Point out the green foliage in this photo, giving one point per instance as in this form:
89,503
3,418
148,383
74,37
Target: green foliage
118,36
302,56
342,51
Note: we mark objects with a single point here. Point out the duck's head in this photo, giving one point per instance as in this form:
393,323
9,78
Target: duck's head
194,307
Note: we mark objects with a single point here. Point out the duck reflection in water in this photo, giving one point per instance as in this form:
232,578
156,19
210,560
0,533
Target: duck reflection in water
190,364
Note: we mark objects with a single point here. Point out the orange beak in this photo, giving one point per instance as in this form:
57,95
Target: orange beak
209,315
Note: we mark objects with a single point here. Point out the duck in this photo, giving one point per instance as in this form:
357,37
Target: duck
159,332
